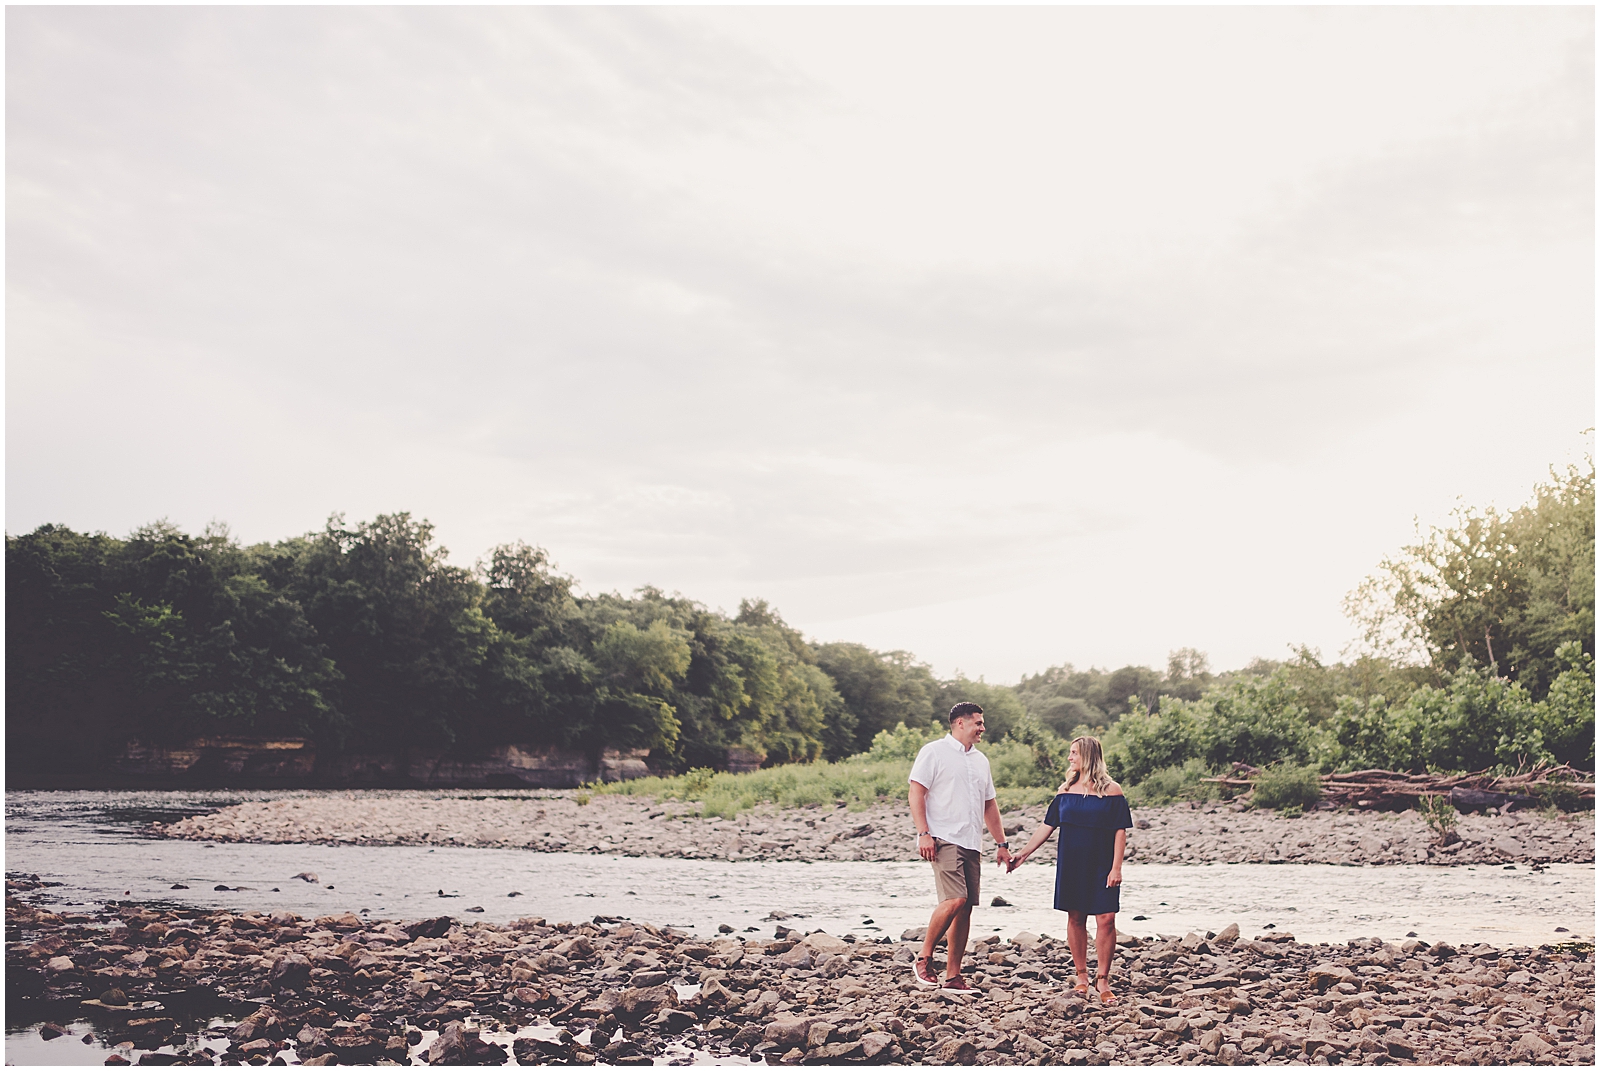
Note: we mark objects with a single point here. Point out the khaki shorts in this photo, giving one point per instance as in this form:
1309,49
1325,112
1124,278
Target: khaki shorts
956,871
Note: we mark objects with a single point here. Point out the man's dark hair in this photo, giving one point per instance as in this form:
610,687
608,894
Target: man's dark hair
964,710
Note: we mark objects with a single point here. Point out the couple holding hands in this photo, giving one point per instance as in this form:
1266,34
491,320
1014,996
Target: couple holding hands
953,798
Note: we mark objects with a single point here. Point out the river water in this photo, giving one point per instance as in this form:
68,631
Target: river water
92,842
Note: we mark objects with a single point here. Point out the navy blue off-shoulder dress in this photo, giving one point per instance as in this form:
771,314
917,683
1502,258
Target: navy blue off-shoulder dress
1085,848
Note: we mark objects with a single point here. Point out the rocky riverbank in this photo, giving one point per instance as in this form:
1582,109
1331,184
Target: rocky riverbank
625,825
342,989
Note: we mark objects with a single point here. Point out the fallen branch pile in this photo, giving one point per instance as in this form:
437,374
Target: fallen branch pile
1389,790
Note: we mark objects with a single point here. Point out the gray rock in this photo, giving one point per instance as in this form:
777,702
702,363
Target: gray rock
636,1004
956,1051
789,1033
1531,1046
877,1043
1326,975
450,1047
292,971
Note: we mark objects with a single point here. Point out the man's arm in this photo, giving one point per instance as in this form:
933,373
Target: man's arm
991,819
919,815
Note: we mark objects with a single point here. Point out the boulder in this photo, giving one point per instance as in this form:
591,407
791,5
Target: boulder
1063,1007
822,942
798,956
636,1004
1025,939
579,947
456,1045
1017,1020
837,1053
1228,935
450,1047
789,1033
604,1004
311,1041
876,1044
956,1051
435,927
291,971
1326,975
253,1027
354,1047
1530,1047
713,992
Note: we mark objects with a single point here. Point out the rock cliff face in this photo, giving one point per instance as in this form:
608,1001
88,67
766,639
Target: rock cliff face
288,762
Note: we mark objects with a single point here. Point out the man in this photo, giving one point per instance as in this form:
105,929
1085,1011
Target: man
951,792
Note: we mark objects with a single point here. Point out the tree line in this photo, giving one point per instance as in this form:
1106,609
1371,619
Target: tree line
366,638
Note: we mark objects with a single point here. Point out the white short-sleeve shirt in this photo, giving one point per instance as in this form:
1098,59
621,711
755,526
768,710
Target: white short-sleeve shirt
959,784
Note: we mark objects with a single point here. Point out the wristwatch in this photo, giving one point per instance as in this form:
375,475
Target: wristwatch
1003,844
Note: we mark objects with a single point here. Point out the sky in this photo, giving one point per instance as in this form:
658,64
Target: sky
1008,337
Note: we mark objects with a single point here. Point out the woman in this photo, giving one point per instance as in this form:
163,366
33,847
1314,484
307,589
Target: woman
1092,814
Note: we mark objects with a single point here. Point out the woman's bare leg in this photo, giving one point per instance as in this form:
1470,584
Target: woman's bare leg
1078,941
1105,947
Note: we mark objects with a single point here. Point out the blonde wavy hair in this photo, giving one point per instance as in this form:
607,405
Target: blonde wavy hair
1092,758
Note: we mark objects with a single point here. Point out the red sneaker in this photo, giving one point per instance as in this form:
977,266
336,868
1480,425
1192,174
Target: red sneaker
957,984
922,971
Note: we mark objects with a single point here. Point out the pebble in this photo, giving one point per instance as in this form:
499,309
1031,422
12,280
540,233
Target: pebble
630,826
363,991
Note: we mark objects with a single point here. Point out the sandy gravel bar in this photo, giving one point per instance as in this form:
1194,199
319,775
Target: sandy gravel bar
343,989
624,825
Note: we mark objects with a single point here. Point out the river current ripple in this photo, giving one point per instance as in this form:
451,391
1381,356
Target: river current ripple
93,844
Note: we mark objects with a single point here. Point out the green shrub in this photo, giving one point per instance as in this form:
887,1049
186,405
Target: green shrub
1562,797
1566,720
1013,766
1439,814
1287,785
861,780
1173,784
900,743
857,784
1010,799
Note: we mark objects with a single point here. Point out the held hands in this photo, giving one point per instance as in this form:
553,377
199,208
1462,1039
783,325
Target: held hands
1016,861
1003,857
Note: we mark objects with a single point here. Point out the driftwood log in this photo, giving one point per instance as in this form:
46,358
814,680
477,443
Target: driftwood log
1389,790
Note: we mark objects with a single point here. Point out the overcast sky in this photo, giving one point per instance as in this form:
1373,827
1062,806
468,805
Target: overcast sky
1006,337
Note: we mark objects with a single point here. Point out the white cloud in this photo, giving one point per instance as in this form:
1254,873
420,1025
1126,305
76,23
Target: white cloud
1007,337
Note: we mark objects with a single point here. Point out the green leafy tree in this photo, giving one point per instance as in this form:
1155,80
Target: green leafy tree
1493,589
1567,721
1475,722
406,629
878,690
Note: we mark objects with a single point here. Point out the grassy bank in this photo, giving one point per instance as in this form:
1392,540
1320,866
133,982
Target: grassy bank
861,781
